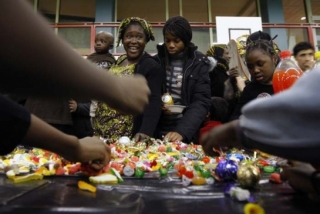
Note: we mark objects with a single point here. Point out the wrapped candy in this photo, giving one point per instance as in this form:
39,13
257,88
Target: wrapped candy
235,157
124,140
239,194
248,175
226,169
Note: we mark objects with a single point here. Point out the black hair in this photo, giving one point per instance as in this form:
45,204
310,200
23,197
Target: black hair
258,35
262,45
301,46
180,28
218,109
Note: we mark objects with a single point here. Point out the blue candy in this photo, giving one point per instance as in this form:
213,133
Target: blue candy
227,170
239,157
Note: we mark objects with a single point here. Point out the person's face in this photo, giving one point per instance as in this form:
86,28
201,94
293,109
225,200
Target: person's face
134,41
261,66
173,44
226,55
305,59
102,43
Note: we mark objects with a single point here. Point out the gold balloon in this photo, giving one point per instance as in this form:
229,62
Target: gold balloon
241,44
248,175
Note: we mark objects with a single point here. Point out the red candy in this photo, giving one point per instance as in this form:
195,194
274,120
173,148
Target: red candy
275,178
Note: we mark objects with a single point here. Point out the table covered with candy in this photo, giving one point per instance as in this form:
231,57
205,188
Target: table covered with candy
148,177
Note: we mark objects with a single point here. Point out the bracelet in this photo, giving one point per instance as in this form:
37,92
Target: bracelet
315,182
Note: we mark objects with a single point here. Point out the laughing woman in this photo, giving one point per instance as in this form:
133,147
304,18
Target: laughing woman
134,33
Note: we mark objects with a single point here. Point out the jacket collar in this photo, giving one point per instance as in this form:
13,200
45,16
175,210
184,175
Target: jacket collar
162,50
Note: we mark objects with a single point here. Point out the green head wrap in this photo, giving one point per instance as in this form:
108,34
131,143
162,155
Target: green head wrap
145,25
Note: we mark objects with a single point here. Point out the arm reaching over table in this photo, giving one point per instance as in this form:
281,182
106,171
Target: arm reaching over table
30,64
285,125
34,61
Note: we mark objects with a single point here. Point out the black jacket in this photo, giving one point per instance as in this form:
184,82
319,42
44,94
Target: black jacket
195,92
146,122
252,91
81,120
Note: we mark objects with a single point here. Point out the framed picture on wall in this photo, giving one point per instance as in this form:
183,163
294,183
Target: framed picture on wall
234,33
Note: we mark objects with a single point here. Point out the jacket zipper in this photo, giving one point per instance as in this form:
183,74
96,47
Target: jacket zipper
184,78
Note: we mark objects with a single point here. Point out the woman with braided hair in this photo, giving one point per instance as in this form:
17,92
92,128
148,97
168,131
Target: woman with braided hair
261,59
134,33
187,81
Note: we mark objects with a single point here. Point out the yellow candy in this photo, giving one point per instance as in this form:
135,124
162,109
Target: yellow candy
46,172
42,161
40,170
152,156
10,174
104,178
173,153
7,162
33,176
156,167
198,180
24,169
85,186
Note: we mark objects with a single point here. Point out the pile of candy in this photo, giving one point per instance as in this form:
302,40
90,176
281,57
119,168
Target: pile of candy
153,158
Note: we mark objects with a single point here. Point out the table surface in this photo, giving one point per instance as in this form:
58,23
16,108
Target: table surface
150,195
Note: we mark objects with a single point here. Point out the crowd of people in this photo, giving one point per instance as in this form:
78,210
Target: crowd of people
71,102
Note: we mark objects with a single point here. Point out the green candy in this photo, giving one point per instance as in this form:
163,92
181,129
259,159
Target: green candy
139,173
163,171
169,149
205,174
197,168
269,169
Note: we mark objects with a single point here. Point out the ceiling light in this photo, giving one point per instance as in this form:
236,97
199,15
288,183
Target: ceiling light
303,18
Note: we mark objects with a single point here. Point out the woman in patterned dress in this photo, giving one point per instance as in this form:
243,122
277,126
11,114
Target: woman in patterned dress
134,33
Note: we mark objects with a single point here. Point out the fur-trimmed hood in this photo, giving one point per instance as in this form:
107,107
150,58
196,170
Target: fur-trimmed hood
213,63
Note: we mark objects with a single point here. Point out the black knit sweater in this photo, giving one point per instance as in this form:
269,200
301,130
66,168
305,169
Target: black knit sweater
146,122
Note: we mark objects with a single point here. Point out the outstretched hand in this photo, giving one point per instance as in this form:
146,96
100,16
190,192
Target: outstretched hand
298,176
173,136
140,137
133,95
221,136
94,151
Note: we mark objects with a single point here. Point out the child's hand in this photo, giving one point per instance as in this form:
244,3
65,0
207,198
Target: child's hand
233,72
173,136
140,137
166,110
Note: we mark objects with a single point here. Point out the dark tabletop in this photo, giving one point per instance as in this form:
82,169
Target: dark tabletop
150,195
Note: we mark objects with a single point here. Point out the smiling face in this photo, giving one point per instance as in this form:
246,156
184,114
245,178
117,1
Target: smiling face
173,44
134,41
226,55
261,66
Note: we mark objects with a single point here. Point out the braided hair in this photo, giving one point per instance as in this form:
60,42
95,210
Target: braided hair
130,20
180,28
262,45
